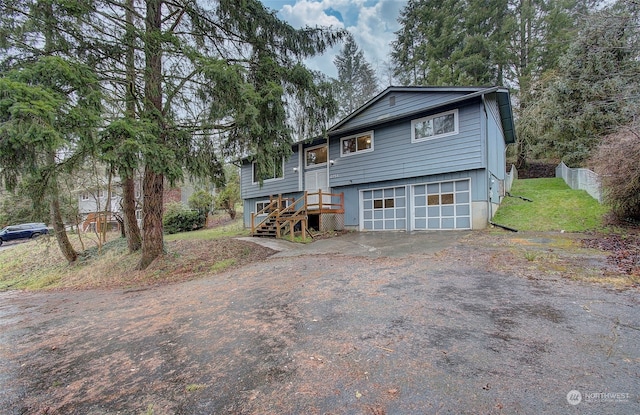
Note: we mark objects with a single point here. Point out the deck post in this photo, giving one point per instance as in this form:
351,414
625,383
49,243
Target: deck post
253,223
292,230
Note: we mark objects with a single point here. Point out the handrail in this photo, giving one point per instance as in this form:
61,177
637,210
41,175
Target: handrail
277,210
321,204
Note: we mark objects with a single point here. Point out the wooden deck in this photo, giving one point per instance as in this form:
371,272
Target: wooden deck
285,215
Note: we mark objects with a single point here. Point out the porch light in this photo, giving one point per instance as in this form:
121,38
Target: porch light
332,162
295,169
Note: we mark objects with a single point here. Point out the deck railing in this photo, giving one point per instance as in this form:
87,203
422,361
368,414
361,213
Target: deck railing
286,213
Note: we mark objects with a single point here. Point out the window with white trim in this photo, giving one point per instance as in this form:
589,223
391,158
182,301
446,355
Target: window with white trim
434,126
275,173
315,156
85,196
358,143
261,205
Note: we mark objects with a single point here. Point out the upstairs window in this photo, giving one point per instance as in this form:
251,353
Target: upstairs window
274,172
359,143
316,156
434,126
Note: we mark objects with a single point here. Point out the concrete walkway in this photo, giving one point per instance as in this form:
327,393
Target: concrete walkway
369,244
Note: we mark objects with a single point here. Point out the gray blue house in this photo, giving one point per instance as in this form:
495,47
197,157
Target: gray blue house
412,158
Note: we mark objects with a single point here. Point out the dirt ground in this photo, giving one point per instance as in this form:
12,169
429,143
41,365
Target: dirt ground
495,323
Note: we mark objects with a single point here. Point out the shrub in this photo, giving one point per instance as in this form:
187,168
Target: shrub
202,201
617,161
177,218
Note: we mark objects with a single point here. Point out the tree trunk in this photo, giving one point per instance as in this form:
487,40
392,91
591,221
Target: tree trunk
152,243
61,234
131,228
153,182
56,217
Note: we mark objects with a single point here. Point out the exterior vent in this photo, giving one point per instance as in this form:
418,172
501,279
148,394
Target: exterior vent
392,101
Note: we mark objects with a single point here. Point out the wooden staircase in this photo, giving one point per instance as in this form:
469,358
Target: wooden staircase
285,214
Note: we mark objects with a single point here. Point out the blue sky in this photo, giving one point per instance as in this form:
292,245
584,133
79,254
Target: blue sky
372,23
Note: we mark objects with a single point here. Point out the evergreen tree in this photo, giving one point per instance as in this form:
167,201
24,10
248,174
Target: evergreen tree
453,42
480,42
357,82
50,101
48,113
594,91
190,83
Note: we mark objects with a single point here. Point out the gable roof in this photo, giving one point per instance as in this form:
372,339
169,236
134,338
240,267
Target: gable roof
465,94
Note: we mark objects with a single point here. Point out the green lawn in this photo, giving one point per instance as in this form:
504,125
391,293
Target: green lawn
555,207
232,229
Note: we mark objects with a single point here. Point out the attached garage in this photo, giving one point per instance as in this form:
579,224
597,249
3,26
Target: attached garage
384,209
443,205
428,206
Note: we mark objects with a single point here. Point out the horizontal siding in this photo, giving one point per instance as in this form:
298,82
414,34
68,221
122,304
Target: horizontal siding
271,187
352,192
404,102
396,157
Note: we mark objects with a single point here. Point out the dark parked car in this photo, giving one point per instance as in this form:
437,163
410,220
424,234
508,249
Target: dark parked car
23,231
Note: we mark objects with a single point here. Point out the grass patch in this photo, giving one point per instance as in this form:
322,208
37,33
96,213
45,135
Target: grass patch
222,265
194,387
38,264
231,230
555,207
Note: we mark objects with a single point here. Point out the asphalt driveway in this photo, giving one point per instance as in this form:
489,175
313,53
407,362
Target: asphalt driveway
352,325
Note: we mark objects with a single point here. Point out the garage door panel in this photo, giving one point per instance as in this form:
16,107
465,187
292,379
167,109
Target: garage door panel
463,210
462,185
447,211
462,197
384,209
463,223
448,223
447,205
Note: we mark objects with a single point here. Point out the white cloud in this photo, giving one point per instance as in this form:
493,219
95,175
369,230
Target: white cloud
309,13
372,23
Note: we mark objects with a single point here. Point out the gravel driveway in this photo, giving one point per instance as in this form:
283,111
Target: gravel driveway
464,329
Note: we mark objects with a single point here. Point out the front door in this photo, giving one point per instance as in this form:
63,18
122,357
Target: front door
314,181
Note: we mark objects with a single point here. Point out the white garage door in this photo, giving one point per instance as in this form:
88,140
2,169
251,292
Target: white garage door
444,205
384,209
